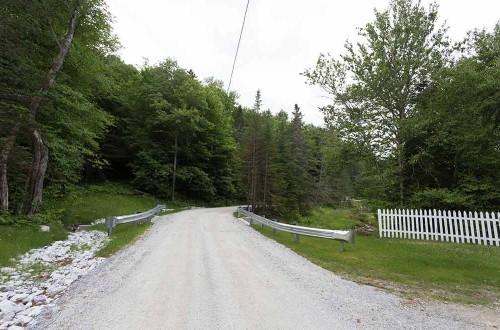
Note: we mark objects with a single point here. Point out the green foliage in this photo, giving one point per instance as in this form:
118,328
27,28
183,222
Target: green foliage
52,217
186,126
453,150
83,205
376,83
442,199
330,218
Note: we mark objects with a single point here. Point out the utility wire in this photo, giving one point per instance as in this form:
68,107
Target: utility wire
238,48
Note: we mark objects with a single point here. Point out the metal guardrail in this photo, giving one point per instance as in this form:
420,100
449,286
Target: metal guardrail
112,222
344,236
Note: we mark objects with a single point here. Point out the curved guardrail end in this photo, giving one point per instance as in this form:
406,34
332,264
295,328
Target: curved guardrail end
352,236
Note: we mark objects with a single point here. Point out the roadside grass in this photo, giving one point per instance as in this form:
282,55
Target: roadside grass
82,205
463,273
86,204
15,241
122,236
330,218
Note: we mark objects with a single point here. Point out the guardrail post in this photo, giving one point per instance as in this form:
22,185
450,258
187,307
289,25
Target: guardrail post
250,220
297,238
341,246
110,221
274,231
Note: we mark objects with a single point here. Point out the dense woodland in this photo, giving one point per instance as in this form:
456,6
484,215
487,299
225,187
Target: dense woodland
414,119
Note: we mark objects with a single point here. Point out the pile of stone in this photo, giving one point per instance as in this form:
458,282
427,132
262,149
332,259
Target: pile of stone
365,229
42,275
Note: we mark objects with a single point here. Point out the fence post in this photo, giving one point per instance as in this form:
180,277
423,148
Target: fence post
379,211
109,224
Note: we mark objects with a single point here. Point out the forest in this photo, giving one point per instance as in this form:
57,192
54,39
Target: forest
413,119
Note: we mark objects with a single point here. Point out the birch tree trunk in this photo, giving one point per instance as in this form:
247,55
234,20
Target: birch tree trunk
39,164
37,173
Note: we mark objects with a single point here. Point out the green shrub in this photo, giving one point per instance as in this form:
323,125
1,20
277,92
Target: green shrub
443,199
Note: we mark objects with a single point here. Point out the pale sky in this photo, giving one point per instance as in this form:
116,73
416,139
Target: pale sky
281,39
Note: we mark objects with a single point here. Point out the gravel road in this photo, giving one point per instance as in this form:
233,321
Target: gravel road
204,269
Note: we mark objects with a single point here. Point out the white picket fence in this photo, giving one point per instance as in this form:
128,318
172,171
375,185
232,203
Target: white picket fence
447,226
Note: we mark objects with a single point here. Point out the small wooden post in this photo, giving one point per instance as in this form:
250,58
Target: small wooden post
109,225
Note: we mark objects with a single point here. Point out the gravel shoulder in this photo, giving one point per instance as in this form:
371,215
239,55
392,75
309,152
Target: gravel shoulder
204,269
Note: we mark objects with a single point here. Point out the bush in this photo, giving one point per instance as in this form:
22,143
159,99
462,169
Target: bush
49,217
443,199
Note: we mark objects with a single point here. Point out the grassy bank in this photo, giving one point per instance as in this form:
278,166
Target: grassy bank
448,271
122,236
15,241
86,204
81,206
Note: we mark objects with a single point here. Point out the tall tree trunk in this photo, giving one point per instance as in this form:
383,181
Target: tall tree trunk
401,176
7,149
38,168
319,194
265,183
254,173
175,167
37,173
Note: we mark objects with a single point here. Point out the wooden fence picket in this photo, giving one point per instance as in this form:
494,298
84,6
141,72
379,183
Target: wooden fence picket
496,227
438,225
460,226
484,235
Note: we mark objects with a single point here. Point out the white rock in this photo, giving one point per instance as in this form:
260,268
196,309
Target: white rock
8,316
42,299
20,308
55,290
35,311
7,306
15,327
7,270
56,276
44,228
19,297
22,319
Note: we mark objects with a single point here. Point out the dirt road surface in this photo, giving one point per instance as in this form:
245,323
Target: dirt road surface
204,269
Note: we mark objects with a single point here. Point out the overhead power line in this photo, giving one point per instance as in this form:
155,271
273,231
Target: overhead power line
238,47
